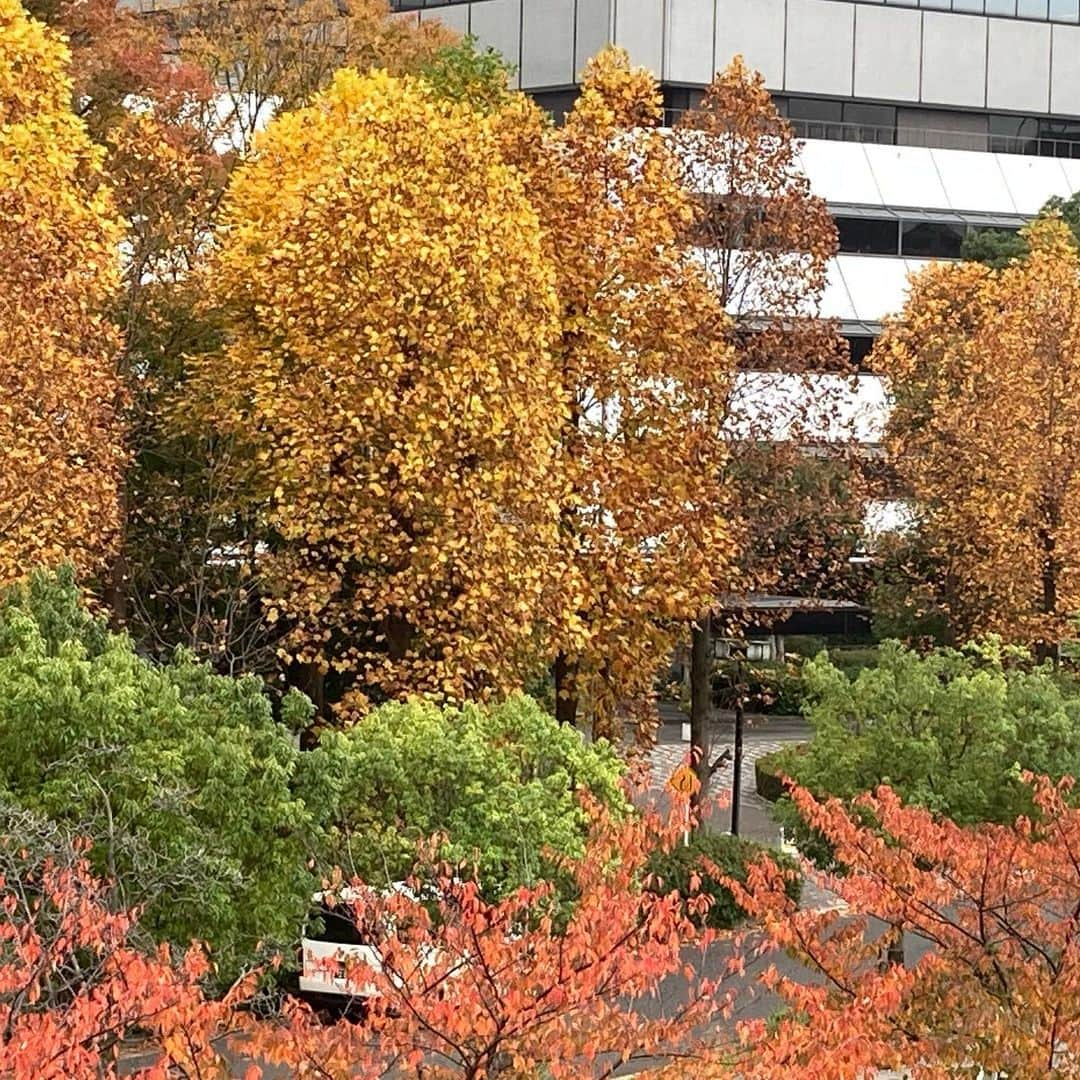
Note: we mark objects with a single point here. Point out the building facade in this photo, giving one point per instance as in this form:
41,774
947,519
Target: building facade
922,118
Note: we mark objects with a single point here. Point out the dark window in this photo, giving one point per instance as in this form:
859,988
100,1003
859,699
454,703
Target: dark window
860,346
1013,134
940,127
679,99
868,236
813,118
556,102
1059,138
870,123
931,239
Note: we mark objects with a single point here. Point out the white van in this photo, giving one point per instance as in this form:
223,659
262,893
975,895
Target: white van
333,945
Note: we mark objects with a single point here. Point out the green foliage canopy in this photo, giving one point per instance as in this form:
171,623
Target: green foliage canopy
949,730
503,782
181,778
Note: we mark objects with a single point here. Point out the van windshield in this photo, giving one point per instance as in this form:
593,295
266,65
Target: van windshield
334,925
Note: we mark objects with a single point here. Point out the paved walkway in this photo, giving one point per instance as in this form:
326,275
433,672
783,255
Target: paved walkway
761,735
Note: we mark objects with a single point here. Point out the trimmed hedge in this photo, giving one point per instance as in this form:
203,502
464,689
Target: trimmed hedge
671,870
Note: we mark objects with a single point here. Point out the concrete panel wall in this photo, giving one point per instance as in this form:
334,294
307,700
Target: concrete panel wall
755,29
1018,74
954,59
820,35
547,43
639,28
689,41
594,27
1065,70
498,23
457,18
887,46
884,53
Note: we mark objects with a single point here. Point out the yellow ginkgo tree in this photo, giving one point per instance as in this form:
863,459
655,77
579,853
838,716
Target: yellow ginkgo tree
61,444
389,377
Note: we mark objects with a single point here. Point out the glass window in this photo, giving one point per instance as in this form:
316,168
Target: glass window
859,345
1031,9
1059,138
813,118
868,236
1013,134
870,123
1000,7
931,239
941,127
968,5
1065,10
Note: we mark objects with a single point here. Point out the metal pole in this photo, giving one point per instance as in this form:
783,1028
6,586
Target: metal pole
736,776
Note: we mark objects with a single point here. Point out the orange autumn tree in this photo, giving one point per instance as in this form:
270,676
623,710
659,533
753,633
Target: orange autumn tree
645,369
61,450
984,368
76,982
388,380
766,241
994,911
467,989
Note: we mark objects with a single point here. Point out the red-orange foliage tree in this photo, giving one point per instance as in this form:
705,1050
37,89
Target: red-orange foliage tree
998,908
521,988
74,981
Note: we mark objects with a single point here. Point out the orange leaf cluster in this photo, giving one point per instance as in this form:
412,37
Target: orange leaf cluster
467,988
994,912
985,435
74,984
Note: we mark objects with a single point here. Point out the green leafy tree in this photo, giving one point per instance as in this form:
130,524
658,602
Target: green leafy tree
503,782
949,731
181,779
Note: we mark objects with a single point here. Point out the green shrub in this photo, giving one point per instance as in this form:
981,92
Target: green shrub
180,777
950,730
671,870
502,782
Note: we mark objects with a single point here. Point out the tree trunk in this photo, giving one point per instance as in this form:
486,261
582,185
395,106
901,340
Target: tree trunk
116,583
736,771
1049,650
700,706
566,700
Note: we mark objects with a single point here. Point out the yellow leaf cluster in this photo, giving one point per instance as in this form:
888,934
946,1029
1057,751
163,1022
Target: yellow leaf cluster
61,449
390,373
646,371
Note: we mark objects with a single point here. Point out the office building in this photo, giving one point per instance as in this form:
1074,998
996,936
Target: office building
922,118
